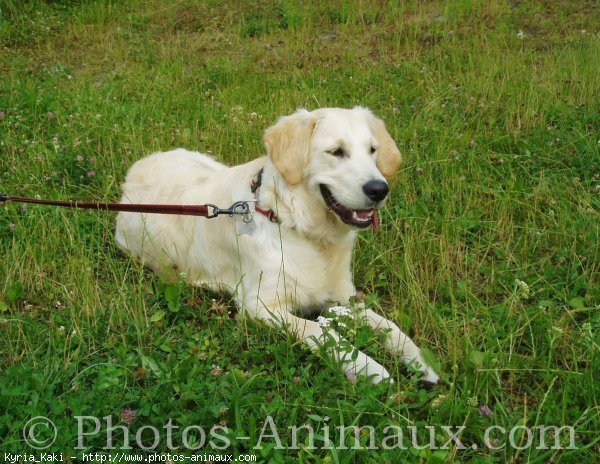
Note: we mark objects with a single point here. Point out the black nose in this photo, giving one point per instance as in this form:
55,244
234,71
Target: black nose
376,190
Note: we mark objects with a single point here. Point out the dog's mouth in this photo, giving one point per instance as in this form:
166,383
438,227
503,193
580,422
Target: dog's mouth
360,218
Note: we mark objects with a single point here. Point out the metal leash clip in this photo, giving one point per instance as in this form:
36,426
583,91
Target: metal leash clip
239,207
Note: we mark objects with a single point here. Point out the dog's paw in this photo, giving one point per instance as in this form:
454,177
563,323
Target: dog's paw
367,367
429,376
379,376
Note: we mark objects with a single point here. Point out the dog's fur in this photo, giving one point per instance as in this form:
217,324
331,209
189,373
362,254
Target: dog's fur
276,272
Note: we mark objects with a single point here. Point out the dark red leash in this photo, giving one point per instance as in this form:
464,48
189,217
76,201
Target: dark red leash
208,210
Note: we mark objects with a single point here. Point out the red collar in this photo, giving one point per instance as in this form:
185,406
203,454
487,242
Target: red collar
254,186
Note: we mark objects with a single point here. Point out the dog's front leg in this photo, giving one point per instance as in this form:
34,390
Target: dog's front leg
399,343
311,333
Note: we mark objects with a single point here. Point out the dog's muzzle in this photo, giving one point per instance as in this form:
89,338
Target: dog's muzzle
360,218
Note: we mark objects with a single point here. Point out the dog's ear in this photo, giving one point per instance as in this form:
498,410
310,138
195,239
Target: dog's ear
288,144
388,156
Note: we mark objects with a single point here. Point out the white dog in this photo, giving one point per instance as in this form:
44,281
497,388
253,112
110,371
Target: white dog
323,179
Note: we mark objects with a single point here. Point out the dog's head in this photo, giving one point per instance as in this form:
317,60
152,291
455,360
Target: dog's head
344,156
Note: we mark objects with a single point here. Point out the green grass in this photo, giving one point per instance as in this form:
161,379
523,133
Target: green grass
495,108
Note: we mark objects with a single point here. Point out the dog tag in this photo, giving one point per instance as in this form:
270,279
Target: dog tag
245,225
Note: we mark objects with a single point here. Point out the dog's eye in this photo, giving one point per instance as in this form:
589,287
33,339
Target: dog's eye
373,150
337,152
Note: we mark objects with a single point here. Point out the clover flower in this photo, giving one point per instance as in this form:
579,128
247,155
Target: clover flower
485,410
128,415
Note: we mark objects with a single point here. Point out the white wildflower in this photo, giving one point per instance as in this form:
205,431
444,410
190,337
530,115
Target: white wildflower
586,327
520,35
438,400
323,321
340,311
523,289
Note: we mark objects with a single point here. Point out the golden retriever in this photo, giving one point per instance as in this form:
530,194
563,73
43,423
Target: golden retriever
323,179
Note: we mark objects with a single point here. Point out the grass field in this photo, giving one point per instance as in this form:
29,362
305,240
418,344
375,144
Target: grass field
488,255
